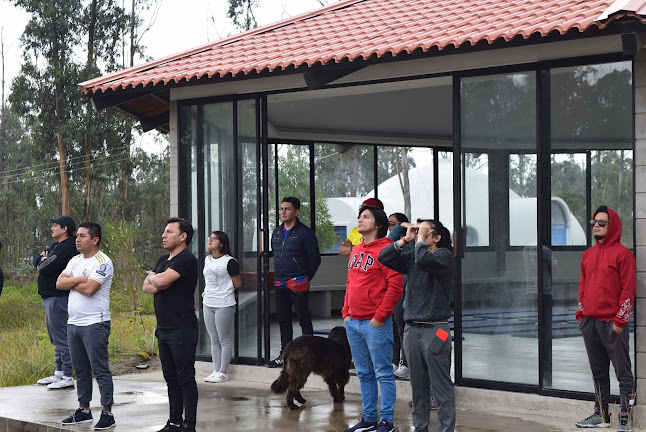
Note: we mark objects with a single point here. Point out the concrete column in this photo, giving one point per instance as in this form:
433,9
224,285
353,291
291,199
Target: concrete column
174,160
640,223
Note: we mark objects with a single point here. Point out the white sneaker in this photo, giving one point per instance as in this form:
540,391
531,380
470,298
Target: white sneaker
220,377
63,383
48,380
402,372
210,377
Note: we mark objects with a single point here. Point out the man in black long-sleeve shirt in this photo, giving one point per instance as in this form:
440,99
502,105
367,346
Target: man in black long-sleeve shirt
50,263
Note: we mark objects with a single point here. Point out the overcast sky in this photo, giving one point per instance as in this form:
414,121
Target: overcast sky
180,25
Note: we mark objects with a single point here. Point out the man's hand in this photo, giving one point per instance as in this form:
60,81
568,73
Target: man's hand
148,287
345,248
375,323
617,329
346,319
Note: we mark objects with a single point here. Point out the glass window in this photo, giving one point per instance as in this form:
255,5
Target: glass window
499,308
344,175
612,185
569,215
475,184
250,202
591,119
294,177
219,199
445,175
522,199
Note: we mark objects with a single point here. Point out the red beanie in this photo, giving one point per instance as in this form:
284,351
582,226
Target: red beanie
373,202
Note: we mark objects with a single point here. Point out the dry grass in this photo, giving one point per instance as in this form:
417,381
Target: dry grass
27,354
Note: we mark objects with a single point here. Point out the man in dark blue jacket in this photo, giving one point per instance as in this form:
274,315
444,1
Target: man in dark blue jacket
296,259
50,264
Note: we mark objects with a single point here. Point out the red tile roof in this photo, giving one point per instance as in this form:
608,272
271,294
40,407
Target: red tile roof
359,29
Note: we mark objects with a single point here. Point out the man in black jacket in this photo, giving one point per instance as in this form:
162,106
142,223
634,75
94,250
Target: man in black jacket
50,263
296,259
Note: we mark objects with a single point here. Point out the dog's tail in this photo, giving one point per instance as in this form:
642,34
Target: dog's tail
280,385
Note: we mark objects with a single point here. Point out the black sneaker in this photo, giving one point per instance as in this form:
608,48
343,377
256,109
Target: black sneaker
277,362
188,427
363,426
105,422
171,427
79,416
385,426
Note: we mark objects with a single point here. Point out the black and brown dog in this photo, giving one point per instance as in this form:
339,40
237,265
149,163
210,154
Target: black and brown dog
330,358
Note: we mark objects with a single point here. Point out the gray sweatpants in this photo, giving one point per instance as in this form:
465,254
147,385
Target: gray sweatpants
604,346
218,323
56,322
89,349
429,361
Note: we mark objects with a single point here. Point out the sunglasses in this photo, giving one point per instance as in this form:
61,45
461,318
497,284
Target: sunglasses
602,223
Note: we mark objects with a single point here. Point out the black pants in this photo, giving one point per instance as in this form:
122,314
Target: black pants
398,334
604,346
177,354
285,298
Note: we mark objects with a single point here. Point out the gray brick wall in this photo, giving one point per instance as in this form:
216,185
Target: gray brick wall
640,223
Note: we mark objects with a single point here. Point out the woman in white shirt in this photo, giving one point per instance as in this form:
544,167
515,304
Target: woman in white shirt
221,280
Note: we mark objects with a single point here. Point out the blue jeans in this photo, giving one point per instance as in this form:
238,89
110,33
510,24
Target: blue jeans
372,352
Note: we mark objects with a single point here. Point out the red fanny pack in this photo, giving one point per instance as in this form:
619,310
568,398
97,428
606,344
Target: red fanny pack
300,285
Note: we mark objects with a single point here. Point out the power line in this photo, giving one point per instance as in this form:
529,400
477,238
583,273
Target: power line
47,174
47,170
54,163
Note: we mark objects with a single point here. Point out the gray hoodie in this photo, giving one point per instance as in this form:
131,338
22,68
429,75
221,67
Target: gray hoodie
430,280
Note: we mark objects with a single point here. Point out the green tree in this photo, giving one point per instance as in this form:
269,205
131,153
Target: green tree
294,180
241,14
47,94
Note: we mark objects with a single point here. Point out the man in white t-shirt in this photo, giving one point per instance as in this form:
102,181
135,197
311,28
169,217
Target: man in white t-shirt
88,276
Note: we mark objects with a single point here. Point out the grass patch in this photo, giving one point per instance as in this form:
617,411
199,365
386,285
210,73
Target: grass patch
27,354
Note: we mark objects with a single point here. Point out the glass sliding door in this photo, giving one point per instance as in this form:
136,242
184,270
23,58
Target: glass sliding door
249,322
219,172
498,162
591,164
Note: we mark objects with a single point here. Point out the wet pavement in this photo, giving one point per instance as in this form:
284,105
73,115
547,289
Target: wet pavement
245,403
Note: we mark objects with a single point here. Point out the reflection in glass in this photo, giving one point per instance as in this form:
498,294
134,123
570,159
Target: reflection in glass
569,215
612,185
475,212
500,332
344,174
591,117
248,300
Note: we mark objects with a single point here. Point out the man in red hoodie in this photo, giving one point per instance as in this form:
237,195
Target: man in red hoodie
606,295
372,290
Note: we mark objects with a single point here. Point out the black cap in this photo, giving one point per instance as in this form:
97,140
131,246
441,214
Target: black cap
65,221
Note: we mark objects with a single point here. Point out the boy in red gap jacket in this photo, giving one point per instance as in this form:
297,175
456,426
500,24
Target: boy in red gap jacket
606,295
372,290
